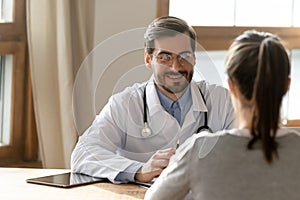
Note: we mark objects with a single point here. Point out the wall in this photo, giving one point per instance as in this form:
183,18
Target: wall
115,18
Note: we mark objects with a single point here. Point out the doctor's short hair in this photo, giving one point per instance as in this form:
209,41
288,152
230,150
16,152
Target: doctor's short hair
167,26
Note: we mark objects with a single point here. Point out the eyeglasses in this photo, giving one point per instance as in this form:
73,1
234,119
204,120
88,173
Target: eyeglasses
184,59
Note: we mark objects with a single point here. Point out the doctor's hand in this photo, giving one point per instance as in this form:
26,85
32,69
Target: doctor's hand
155,165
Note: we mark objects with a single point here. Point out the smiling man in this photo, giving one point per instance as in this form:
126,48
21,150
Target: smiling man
134,136
172,63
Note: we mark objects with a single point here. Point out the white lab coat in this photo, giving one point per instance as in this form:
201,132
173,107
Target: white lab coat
114,141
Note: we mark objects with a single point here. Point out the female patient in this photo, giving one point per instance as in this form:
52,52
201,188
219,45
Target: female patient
258,160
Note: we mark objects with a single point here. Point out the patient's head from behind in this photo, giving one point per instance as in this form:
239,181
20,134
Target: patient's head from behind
258,69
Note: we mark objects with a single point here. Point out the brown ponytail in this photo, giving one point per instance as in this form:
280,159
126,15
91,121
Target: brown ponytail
258,63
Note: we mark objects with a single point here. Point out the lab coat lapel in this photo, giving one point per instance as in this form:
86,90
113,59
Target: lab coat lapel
158,118
153,102
198,105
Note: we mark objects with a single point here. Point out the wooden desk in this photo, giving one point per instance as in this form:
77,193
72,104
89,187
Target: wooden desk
13,186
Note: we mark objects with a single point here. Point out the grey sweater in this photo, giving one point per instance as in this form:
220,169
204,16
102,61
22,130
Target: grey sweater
221,167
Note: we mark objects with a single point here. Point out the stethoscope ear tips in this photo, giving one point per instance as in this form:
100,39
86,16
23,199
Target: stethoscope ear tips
146,131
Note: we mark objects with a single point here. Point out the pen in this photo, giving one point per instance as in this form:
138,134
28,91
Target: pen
177,144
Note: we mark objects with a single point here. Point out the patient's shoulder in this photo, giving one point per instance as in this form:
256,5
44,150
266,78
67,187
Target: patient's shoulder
203,141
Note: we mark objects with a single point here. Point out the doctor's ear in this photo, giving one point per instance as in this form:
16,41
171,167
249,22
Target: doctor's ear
147,58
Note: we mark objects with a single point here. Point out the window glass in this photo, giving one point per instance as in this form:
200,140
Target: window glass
264,13
296,13
210,66
5,97
293,108
270,13
6,11
203,12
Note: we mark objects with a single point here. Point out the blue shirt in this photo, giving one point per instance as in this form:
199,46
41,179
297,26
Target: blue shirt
185,103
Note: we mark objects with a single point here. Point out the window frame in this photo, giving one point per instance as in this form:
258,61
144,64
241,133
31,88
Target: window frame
220,37
13,30
17,49
23,145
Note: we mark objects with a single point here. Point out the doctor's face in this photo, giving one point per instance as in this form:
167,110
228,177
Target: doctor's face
172,63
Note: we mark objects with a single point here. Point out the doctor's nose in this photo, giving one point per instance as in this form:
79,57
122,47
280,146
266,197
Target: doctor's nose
176,65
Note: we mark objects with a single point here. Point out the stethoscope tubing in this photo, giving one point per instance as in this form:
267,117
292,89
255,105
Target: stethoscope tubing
146,131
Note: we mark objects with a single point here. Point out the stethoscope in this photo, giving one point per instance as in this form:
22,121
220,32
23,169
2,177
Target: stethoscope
146,131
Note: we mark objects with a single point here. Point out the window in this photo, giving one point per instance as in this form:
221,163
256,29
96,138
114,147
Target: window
5,98
281,13
6,7
17,125
282,17
292,104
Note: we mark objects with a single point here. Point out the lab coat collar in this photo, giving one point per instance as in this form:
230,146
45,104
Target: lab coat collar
198,103
154,105
153,102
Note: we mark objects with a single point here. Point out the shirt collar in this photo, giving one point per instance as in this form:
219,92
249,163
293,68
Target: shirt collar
167,102
164,100
154,104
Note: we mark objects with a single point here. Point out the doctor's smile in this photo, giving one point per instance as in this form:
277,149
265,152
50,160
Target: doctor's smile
174,76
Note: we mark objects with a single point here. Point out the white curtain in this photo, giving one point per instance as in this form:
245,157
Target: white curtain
60,35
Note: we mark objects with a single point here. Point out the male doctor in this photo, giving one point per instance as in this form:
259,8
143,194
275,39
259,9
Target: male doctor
136,133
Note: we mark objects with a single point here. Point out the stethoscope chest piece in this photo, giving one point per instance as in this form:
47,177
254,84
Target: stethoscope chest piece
146,131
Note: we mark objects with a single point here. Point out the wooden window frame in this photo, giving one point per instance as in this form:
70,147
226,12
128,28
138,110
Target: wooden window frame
17,50
220,37
23,145
16,29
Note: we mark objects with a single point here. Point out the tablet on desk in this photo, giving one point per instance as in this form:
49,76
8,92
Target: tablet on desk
66,180
142,184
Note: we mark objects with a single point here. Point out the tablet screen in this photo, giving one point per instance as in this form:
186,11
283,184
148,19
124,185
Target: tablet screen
66,180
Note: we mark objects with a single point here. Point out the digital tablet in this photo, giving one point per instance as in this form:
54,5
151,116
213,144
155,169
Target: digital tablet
142,184
66,180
